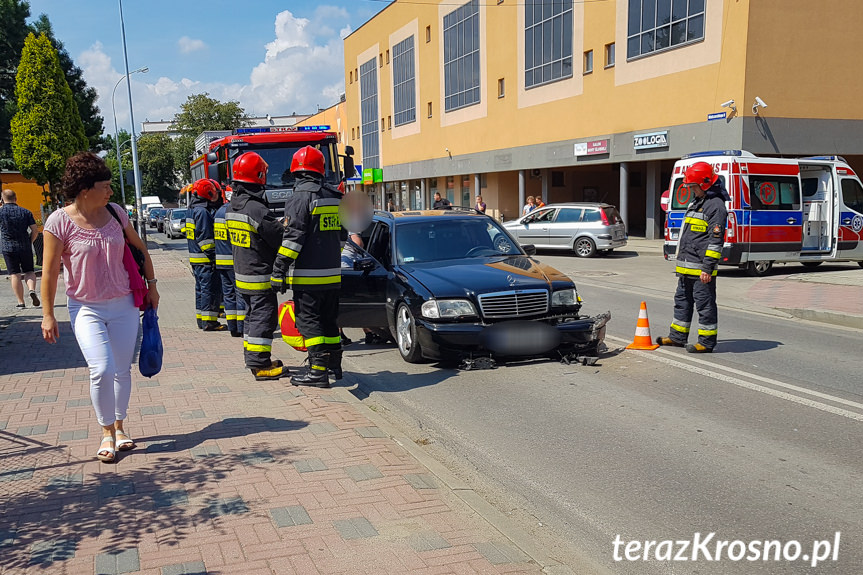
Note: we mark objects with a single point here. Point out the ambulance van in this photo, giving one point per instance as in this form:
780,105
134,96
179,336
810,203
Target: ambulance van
807,210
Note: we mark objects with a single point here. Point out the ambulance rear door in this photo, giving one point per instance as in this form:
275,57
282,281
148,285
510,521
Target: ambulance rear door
772,209
850,232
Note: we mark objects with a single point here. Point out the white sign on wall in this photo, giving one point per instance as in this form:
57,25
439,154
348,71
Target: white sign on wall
651,140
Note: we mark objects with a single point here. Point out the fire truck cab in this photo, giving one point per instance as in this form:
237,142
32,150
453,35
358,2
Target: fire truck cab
277,148
807,210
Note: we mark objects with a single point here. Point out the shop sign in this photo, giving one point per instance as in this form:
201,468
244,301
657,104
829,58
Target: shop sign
652,140
592,148
368,176
377,175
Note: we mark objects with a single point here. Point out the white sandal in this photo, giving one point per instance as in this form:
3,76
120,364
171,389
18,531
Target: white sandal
124,444
110,454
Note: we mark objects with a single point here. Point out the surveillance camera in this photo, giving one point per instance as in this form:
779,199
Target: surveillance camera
728,104
446,149
760,102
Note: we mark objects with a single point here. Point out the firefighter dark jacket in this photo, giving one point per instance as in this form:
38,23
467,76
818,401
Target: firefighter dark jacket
255,236
703,233
312,237
199,232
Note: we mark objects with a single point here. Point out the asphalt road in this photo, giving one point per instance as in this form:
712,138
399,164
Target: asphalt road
759,441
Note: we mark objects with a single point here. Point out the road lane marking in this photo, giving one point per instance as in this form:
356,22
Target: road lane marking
756,387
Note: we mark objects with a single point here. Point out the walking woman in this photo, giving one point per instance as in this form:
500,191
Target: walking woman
90,243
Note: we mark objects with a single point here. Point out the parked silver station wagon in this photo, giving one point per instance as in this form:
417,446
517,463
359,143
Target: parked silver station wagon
584,228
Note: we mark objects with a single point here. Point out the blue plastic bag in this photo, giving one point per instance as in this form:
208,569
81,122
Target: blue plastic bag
150,356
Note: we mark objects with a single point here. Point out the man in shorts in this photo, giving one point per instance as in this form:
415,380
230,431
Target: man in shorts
18,229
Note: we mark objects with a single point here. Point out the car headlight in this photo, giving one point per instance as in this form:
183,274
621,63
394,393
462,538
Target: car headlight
447,308
565,297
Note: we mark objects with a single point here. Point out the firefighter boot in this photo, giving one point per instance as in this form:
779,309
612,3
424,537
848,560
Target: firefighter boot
668,341
275,371
214,326
698,348
335,366
316,375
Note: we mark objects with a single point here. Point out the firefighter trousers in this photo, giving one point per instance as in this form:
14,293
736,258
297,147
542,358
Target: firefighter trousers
207,294
235,307
317,321
693,295
260,323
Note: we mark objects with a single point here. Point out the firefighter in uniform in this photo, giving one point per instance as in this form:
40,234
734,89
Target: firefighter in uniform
309,263
202,254
235,308
698,253
255,237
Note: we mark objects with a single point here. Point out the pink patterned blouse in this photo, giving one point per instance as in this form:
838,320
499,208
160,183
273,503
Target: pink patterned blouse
92,259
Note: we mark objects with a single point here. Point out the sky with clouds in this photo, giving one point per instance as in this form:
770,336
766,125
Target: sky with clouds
274,57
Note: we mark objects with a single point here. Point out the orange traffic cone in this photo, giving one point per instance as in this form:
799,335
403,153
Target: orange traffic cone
642,331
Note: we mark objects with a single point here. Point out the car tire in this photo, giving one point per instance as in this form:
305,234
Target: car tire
759,268
584,247
406,335
811,264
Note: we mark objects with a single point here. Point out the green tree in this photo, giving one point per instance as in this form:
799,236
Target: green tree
156,159
200,113
46,128
13,32
85,96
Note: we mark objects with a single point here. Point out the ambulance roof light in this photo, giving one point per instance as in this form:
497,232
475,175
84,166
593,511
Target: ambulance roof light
738,153
826,158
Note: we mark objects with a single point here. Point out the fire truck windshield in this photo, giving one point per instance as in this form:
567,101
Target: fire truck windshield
279,162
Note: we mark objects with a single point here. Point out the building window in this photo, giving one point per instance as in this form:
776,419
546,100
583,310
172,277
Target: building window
351,76
547,41
383,125
369,114
609,55
353,134
656,25
501,88
429,109
404,86
381,58
461,57
588,62
428,33
389,122
388,56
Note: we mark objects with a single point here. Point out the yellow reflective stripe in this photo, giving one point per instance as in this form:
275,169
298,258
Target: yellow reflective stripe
690,271
241,317
315,341
209,315
680,328
712,254
288,252
314,281
697,219
294,340
230,316
336,339
275,280
237,219
253,285
235,225
199,260
325,210
190,224
256,347
707,332
319,367
206,246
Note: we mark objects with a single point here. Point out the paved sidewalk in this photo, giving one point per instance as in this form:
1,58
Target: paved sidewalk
229,476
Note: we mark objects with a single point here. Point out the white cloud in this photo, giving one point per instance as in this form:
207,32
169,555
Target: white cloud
188,45
301,69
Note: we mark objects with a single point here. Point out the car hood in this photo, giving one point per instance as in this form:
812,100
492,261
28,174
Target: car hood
460,278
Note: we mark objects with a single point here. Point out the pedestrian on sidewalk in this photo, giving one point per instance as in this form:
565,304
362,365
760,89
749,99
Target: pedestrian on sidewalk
698,253
18,231
200,236
90,243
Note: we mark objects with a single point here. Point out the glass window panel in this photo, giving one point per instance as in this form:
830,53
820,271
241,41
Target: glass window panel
546,73
528,48
567,66
648,14
528,13
678,9
567,34
647,42
635,16
696,7
678,33
695,30
663,12
557,39
556,69
528,78
663,37
633,46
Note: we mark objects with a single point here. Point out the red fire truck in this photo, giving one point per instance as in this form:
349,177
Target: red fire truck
277,147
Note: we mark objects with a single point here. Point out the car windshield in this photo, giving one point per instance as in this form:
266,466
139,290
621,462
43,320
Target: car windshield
178,214
452,239
279,164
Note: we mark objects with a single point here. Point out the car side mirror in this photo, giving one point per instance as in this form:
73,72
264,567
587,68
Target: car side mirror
364,264
529,249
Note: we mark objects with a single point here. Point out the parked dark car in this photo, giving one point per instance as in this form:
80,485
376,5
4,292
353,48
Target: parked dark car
452,285
153,216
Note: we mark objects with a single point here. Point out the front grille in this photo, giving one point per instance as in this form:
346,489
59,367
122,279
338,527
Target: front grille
516,303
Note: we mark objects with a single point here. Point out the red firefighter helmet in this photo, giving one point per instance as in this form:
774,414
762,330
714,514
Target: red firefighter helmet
308,159
250,168
206,189
700,173
288,324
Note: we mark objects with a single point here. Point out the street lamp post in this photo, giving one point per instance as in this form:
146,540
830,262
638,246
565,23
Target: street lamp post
143,70
142,228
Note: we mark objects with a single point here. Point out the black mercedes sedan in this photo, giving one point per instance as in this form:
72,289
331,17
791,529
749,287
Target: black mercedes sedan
452,285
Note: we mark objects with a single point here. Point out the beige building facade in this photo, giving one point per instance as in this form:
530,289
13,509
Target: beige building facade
593,101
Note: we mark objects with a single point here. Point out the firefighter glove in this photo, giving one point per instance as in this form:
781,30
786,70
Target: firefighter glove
278,278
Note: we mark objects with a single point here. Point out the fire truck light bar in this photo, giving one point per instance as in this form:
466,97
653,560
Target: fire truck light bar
276,129
715,153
